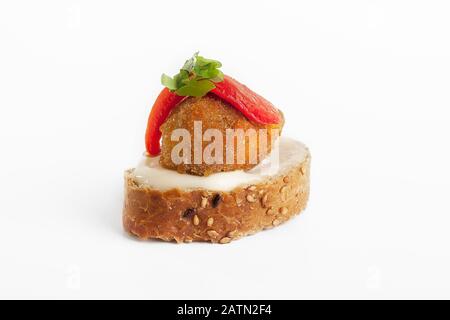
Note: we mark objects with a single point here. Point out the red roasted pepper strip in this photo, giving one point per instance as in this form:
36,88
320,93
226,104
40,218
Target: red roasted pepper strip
252,105
165,102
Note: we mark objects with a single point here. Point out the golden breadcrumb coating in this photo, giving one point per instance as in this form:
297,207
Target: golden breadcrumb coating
213,113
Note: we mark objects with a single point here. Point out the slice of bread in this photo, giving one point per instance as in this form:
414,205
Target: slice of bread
215,216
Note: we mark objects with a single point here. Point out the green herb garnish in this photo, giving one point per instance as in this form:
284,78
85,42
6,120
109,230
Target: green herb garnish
196,78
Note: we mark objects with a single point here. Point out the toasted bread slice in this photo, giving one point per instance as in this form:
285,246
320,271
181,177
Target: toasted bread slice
186,215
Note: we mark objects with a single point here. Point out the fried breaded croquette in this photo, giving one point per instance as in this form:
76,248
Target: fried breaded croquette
204,154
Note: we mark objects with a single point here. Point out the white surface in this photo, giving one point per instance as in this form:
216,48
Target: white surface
365,84
287,154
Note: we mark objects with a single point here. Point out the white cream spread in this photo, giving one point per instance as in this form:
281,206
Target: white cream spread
150,173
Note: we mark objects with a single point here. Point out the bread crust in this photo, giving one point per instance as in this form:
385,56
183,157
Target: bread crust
217,217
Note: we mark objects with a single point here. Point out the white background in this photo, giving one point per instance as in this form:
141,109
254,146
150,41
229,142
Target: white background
365,84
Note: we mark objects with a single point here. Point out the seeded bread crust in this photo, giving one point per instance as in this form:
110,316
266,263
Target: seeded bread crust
218,217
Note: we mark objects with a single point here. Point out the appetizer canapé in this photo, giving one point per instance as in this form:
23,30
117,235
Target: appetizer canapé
221,170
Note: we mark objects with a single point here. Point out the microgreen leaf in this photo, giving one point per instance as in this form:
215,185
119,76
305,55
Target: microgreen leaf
196,77
189,64
195,88
218,77
201,61
169,82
